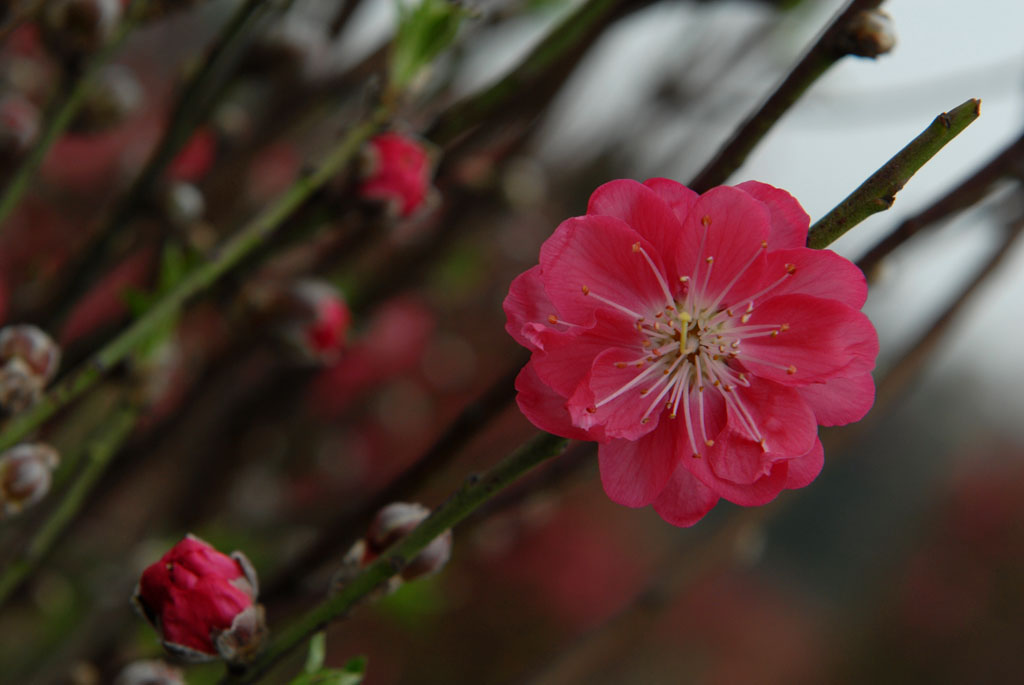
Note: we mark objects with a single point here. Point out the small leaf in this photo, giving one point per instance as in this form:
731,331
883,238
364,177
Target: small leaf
423,32
317,652
351,673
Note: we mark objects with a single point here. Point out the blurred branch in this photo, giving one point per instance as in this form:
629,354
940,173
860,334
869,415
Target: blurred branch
336,536
193,104
1007,163
476,491
62,110
103,445
248,238
878,193
834,44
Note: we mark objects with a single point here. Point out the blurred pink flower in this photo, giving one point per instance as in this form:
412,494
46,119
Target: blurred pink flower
696,339
202,602
399,173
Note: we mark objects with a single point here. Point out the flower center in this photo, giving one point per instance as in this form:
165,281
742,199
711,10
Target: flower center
692,346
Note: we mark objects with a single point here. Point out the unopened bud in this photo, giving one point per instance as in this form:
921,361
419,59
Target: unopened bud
150,672
77,27
115,95
203,603
871,33
183,203
312,318
397,172
19,126
26,471
391,524
28,362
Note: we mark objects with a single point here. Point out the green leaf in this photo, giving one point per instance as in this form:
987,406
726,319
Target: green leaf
351,674
317,652
424,30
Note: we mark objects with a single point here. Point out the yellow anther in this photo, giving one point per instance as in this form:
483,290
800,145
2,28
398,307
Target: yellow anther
586,290
706,220
552,318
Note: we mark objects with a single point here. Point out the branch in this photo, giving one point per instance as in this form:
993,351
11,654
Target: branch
251,236
834,44
878,193
463,502
62,110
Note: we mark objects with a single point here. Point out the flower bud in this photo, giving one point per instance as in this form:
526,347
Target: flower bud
870,33
203,603
150,672
391,524
26,471
28,362
115,96
19,126
397,171
77,27
312,318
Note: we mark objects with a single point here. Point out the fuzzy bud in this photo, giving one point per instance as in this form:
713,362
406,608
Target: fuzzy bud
871,33
78,27
19,126
29,359
391,524
397,172
150,672
26,471
312,318
203,603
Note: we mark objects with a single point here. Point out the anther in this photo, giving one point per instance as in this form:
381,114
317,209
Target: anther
791,370
709,443
636,246
586,290
706,220
784,327
646,419
696,455
763,444
791,269
591,410
684,279
774,334
646,343
552,318
764,244
710,260
620,365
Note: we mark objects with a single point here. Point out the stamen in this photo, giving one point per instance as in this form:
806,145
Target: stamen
631,384
657,272
721,296
615,305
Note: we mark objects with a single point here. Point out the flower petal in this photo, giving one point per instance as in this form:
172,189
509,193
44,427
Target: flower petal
789,220
633,472
678,197
761,491
823,338
525,305
623,415
839,401
685,500
821,273
729,227
640,207
545,408
804,469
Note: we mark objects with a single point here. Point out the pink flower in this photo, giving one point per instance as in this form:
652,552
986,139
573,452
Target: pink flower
696,339
399,172
202,602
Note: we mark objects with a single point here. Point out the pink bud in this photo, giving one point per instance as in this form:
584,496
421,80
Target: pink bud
398,173
25,475
203,603
150,673
313,319
28,362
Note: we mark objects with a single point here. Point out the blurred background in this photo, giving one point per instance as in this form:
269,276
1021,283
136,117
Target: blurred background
903,562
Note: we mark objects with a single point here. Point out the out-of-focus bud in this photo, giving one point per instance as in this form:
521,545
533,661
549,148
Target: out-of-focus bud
77,27
19,126
312,318
183,203
26,471
871,33
196,157
115,96
150,672
397,171
28,362
203,603
391,524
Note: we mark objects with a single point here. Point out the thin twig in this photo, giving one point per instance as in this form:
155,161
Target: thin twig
878,193
461,504
251,236
1008,162
62,111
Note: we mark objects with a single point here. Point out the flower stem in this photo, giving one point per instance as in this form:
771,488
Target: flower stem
879,192
101,449
462,502
831,47
248,238
62,110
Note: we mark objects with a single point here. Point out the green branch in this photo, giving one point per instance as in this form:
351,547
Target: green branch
103,445
62,110
251,236
461,504
878,193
